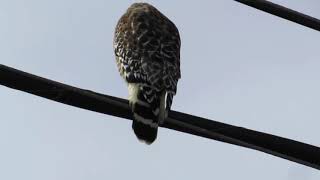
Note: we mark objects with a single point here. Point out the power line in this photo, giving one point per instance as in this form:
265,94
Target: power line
285,148
283,12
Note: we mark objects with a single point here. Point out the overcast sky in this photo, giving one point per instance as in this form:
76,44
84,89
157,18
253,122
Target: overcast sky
239,66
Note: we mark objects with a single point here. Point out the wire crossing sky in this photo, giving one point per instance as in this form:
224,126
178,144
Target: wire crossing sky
298,152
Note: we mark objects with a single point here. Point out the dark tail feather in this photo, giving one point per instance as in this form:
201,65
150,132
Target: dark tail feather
145,123
146,115
144,132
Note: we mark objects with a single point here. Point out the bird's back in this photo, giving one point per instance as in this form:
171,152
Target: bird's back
147,48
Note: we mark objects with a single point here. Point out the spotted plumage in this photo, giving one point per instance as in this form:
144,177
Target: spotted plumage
147,49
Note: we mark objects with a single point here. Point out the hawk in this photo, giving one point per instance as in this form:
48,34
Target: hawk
147,49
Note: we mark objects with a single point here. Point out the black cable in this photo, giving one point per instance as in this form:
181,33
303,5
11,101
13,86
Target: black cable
302,153
283,12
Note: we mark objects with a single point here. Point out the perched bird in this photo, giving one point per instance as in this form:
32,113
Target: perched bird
147,50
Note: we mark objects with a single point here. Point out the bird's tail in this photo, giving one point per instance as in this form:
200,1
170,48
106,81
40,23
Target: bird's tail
148,112
144,132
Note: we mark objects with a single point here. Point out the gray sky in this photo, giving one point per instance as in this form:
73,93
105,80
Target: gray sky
239,66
